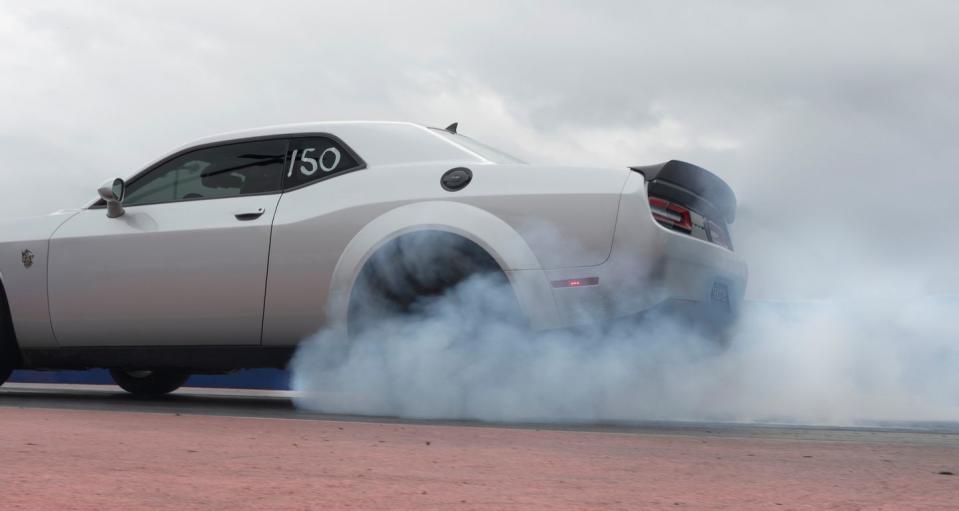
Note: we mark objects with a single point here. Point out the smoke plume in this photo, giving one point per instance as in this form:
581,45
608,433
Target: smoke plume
865,355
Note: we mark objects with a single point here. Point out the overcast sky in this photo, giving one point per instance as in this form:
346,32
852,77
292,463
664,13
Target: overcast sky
835,122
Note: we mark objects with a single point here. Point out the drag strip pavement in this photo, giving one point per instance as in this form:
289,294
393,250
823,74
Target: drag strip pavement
95,447
277,404
187,400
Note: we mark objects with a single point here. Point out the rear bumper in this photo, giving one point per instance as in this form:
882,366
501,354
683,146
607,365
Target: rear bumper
698,271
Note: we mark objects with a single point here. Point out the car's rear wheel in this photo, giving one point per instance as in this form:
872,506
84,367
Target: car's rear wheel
415,270
149,383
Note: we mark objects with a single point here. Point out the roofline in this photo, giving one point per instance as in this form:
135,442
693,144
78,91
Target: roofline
286,129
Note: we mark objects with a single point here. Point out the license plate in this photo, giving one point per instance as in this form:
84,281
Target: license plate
719,293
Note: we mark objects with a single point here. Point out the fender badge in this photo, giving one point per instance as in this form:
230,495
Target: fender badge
27,257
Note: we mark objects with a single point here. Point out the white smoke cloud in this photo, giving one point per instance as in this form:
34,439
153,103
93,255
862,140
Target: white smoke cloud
877,353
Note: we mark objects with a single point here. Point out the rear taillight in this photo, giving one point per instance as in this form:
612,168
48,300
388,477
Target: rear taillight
717,234
678,217
671,214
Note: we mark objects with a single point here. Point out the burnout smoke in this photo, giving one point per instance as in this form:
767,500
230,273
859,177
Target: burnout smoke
862,358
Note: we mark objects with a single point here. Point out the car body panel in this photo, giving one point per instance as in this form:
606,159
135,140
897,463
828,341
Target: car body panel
183,273
318,228
648,265
26,287
289,319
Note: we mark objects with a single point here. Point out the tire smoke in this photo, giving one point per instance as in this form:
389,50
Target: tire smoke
863,359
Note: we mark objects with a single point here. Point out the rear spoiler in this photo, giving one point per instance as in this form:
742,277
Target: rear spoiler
693,186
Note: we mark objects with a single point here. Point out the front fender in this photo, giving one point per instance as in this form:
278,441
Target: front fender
25,278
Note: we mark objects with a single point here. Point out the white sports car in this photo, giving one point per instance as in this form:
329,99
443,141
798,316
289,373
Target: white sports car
227,252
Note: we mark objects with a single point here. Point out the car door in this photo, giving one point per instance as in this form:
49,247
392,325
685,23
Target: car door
322,208
186,263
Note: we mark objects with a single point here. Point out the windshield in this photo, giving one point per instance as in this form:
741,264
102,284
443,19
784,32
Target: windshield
491,154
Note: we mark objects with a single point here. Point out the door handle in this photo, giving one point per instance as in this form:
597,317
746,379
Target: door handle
250,215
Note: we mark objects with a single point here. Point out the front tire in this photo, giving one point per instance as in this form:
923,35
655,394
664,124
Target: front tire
9,354
149,383
5,370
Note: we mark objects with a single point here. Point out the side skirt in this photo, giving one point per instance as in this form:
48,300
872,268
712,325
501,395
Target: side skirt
194,359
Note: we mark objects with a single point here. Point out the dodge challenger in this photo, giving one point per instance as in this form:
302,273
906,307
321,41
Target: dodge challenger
226,253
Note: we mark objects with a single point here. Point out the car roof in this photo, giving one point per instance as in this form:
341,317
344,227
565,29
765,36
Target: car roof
376,142
296,128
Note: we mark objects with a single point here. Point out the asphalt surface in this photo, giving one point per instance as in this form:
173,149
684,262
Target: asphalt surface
95,447
272,404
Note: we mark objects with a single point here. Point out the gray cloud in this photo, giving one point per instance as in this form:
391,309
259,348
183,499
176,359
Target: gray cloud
832,120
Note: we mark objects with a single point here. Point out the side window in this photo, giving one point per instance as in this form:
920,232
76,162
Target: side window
315,158
223,171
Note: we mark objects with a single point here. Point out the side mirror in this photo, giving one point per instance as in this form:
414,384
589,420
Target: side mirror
112,192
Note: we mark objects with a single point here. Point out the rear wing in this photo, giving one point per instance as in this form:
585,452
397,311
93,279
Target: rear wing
693,186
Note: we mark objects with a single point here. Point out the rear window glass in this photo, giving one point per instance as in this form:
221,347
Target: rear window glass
315,158
492,154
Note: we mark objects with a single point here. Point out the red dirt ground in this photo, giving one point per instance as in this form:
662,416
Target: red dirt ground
56,459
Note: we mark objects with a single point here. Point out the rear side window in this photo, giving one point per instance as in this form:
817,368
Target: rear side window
315,158
244,168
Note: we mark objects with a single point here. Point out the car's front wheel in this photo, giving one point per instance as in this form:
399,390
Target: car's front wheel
5,370
8,357
149,383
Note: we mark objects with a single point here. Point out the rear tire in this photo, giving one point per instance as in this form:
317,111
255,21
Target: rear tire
410,272
149,383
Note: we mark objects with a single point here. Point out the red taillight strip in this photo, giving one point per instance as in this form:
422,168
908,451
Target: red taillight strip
585,281
679,219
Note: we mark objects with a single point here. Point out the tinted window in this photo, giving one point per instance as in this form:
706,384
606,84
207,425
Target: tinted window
222,171
315,158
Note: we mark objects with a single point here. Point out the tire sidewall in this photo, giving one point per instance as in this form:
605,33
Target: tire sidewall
157,383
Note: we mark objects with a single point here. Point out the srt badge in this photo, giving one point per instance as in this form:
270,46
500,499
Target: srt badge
27,257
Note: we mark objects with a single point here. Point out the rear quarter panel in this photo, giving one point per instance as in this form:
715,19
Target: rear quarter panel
565,216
